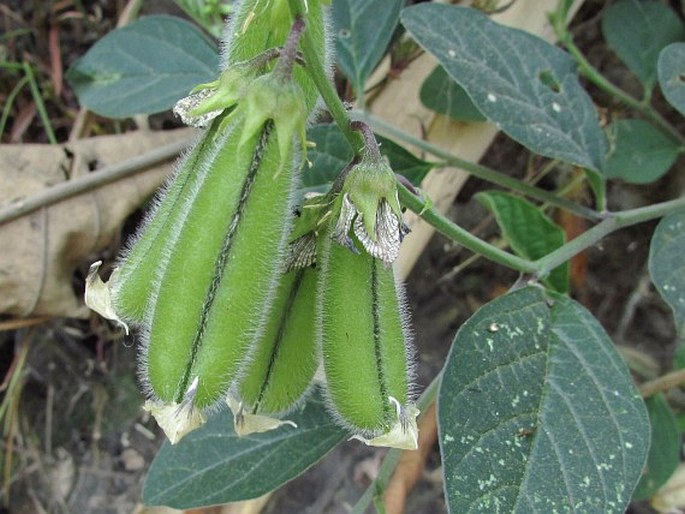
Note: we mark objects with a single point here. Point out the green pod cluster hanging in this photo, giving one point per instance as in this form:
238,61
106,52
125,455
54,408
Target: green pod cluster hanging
199,279
226,310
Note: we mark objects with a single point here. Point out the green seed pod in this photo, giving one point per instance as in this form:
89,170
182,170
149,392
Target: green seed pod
285,357
135,283
365,345
192,265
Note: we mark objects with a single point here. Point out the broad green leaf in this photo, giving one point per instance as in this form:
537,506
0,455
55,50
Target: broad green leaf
332,153
667,265
212,465
363,29
443,95
664,451
530,232
528,87
537,412
637,30
638,152
671,68
143,67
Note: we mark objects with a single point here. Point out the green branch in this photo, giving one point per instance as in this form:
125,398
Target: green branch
317,72
612,223
541,267
478,170
462,236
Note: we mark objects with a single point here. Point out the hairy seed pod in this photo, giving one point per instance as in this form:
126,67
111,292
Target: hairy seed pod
365,346
135,283
285,356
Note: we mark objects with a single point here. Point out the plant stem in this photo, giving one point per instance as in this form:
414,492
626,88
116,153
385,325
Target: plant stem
478,170
461,236
317,72
594,76
543,266
612,223
391,459
99,178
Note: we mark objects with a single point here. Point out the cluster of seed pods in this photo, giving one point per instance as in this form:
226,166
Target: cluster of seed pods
237,300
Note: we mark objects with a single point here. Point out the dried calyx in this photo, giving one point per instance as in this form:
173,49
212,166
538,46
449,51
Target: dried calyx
368,206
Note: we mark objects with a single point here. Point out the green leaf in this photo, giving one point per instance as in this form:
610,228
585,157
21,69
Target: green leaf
637,30
363,29
671,68
143,67
667,265
212,465
525,85
537,412
443,95
664,452
530,232
639,153
332,153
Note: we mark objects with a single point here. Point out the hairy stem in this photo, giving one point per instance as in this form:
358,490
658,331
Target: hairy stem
462,236
317,72
91,181
612,223
478,170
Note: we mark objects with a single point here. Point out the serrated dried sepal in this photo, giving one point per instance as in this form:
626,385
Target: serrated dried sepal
388,234
301,253
185,107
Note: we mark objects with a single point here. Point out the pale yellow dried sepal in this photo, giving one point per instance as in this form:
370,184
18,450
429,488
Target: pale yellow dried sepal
98,295
175,419
246,424
404,434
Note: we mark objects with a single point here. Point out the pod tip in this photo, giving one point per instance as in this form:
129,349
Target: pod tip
245,423
177,419
404,434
